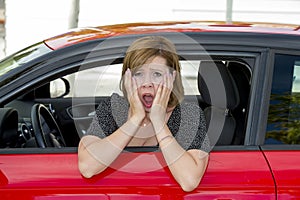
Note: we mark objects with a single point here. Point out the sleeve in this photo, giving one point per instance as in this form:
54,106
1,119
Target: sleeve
103,123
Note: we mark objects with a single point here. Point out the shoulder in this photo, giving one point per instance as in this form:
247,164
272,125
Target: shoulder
111,102
115,98
194,116
191,110
110,114
188,113
113,108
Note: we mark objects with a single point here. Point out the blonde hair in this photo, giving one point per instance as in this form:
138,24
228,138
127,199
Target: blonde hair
149,47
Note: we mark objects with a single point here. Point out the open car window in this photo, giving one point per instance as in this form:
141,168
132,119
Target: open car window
102,81
73,98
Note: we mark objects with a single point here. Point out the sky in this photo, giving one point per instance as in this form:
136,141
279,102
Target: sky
31,21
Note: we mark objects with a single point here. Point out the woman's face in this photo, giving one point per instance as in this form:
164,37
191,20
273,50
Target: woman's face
148,77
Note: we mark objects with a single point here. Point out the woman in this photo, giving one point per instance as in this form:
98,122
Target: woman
150,114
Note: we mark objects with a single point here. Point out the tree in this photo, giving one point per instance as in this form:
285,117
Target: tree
284,118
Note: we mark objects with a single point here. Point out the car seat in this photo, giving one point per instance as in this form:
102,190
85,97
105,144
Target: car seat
242,76
219,91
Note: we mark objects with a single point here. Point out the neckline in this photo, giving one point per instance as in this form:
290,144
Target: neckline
118,101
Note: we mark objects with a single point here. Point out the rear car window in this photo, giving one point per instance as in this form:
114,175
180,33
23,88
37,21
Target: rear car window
284,110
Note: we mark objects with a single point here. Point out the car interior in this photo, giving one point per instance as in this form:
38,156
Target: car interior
37,119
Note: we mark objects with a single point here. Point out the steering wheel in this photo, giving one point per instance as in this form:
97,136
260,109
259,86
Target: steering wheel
46,130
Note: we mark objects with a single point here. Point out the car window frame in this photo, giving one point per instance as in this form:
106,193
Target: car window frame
272,147
217,55
258,53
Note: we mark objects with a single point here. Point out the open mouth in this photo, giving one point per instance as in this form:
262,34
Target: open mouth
147,100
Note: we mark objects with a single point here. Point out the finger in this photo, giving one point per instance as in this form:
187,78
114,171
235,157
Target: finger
158,93
168,84
169,81
127,80
165,91
172,82
174,75
134,85
129,85
135,89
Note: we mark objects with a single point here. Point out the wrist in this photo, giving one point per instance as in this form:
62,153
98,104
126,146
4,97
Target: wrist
130,127
158,126
165,138
137,121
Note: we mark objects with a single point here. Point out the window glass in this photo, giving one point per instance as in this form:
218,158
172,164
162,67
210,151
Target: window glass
189,72
296,78
100,81
24,56
104,80
284,111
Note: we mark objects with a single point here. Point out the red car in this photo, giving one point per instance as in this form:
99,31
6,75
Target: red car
49,92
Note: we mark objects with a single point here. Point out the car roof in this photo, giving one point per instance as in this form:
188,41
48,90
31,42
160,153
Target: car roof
91,33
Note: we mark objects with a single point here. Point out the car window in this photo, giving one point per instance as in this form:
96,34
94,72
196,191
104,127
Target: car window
104,80
284,110
75,117
71,98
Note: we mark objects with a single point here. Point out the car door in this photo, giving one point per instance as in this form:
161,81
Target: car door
136,174
281,143
234,172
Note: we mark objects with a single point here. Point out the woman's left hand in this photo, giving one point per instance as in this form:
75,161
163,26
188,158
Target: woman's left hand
158,110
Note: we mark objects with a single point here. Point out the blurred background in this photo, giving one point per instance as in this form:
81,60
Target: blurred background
25,22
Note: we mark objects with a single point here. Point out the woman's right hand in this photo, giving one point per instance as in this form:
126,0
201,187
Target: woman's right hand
137,111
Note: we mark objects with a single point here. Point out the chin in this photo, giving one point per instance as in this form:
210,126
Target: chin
147,110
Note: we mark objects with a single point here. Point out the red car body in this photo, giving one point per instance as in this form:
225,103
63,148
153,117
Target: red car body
253,171
92,33
135,176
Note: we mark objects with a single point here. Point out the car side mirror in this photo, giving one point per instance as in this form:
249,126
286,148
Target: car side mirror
59,88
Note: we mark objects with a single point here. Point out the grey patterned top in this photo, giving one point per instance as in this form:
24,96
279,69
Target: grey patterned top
187,122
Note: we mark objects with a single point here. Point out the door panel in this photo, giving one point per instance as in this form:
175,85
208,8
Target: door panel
74,115
230,175
282,134
285,167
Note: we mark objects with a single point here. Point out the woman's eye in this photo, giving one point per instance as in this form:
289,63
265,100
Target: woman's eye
157,74
137,74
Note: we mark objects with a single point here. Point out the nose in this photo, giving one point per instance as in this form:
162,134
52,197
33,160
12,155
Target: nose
147,82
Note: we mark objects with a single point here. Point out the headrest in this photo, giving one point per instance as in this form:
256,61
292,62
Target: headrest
217,86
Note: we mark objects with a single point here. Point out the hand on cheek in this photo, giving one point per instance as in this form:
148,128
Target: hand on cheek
158,111
136,107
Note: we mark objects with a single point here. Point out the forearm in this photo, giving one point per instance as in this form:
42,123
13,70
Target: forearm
187,167
96,154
